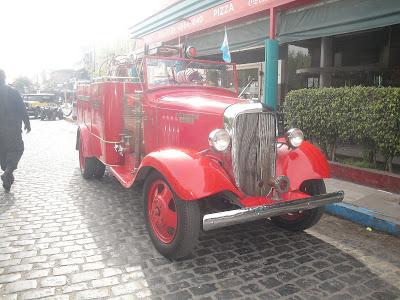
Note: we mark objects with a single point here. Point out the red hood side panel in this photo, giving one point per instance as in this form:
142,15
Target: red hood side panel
185,116
200,100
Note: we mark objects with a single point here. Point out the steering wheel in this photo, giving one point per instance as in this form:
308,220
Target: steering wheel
194,76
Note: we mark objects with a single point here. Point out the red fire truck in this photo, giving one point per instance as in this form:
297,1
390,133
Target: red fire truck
206,158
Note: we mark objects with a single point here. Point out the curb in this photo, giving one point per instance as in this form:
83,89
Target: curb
369,177
364,217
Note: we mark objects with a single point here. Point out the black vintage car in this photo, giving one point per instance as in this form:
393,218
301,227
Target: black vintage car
51,111
43,106
34,103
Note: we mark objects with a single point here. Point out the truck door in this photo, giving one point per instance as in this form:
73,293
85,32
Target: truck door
96,110
87,109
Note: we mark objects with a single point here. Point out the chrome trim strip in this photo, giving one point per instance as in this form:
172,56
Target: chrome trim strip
248,214
232,111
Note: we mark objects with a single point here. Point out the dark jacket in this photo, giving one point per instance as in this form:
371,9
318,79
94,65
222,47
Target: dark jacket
12,111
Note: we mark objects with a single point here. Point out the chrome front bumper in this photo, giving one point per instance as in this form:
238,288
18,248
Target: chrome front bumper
248,214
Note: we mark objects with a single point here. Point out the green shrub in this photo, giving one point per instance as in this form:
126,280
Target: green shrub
365,115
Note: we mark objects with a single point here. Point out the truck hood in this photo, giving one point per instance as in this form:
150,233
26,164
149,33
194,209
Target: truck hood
210,101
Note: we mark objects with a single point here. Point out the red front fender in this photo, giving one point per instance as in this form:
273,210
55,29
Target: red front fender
191,175
303,163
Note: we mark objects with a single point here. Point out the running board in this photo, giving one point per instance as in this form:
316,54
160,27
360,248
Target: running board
248,214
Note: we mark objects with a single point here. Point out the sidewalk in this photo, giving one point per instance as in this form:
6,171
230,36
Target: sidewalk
370,207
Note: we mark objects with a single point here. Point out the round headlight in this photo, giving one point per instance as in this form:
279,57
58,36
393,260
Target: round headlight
294,137
219,139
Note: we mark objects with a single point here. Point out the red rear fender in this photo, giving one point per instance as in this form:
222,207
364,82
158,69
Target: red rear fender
90,144
191,175
303,163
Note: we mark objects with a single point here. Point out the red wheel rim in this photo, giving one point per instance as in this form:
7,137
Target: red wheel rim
294,216
161,210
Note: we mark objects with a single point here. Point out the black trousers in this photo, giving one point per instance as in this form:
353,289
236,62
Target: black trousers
11,149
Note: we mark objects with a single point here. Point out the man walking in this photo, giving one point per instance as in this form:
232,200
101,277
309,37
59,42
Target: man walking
12,114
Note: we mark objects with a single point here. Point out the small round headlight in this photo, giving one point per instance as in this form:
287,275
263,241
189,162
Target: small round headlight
219,139
294,137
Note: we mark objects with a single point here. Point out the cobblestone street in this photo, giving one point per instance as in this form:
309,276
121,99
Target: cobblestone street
64,237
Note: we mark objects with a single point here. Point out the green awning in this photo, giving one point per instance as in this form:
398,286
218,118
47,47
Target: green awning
249,35
172,14
328,18
324,18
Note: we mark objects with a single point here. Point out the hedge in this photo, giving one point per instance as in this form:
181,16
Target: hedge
365,115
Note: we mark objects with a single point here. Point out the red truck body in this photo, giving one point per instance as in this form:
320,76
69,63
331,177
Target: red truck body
157,131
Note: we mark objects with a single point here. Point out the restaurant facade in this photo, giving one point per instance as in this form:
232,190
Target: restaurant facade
317,43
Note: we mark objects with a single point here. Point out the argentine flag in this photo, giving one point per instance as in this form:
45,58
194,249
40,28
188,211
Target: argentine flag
226,55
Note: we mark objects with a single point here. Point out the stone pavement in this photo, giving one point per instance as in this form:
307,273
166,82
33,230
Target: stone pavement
63,237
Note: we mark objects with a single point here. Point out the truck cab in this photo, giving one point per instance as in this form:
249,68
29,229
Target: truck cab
205,157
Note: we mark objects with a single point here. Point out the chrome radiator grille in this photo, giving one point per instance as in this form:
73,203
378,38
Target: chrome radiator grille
254,152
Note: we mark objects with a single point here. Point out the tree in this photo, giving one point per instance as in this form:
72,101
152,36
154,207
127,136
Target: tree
23,85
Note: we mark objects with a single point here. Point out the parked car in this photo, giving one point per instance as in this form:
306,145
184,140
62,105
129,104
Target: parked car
35,102
206,158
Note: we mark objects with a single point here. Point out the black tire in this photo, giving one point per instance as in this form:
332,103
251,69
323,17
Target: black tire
99,169
310,217
87,165
188,223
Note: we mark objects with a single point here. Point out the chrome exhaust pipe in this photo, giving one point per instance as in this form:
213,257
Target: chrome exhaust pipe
248,214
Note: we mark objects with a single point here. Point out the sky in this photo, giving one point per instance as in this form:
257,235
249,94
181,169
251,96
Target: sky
45,35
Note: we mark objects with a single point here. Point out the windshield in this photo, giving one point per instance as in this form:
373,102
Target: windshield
40,98
185,72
